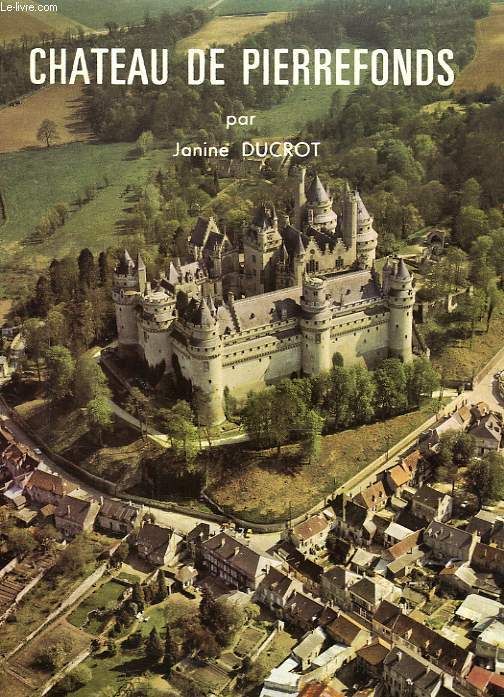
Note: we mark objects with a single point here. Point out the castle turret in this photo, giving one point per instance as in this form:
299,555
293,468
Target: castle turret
142,273
126,297
315,326
261,245
205,348
319,208
298,261
349,227
158,312
299,195
367,237
401,299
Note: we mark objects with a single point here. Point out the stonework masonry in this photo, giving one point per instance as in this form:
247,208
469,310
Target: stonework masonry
282,306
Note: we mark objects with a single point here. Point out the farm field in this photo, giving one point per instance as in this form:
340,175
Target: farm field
95,13
486,67
45,177
304,103
230,30
16,24
59,103
245,6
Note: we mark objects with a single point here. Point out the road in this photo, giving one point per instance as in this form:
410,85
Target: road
486,391
181,522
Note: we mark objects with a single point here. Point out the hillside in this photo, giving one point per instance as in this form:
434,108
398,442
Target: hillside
14,25
486,68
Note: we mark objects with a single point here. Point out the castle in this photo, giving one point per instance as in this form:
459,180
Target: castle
282,306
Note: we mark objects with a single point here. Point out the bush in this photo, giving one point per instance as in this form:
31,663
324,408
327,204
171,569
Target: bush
54,655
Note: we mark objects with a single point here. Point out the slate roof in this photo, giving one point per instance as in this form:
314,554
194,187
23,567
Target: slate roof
344,630
277,582
487,428
427,496
154,538
74,510
316,192
242,558
373,654
119,511
447,533
303,607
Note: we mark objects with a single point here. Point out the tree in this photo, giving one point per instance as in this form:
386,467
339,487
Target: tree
35,336
162,591
485,478
20,542
338,400
421,380
87,270
390,380
139,404
74,559
89,381
138,596
54,654
145,142
153,646
312,439
470,224
60,371
363,398
99,415
47,132
170,653
180,428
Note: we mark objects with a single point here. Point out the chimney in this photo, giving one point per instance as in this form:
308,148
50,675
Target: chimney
236,550
68,511
101,500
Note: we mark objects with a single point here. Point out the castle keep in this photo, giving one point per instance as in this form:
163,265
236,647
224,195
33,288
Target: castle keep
281,307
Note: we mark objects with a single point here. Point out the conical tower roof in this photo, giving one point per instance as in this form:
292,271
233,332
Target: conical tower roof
126,264
300,248
402,271
203,317
262,218
316,192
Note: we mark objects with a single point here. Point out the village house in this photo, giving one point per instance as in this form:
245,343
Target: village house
309,648
275,589
373,498
158,545
392,625
310,535
335,584
44,487
370,658
447,542
75,516
117,516
302,611
234,563
429,504
458,578
353,522
484,683
408,675
487,433
367,594
484,524
347,631
302,568
15,460
399,476
488,559
490,642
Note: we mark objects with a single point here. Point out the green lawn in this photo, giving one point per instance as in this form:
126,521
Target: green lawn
34,181
303,104
251,6
104,597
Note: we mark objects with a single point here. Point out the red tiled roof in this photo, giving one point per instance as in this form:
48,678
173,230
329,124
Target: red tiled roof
317,689
48,482
313,526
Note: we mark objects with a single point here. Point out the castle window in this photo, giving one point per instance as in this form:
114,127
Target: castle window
206,365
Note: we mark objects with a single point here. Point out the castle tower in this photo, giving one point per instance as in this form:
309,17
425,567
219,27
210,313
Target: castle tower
299,174
319,208
205,349
298,262
156,319
350,207
367,237
315,326
142,273
126,297
401,299
261,245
